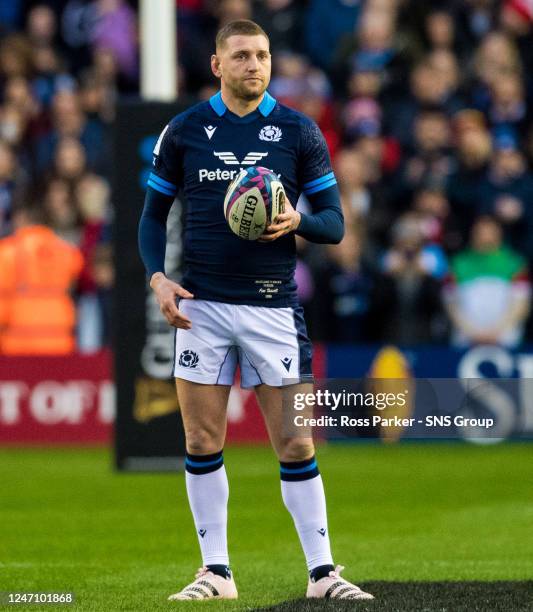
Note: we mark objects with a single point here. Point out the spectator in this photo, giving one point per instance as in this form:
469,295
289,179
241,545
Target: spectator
115,31
50,76
427,91
332,19
70,123
516,18
487,295
465,185
431,160
282,20
363,202
375,44
92,197
507,105
366,79
497,55
15,57
37,314
7,186
439,226
407,297
439,30
103,272
507,192
345,292
41,26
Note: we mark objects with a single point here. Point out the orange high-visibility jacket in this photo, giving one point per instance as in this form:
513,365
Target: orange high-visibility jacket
37,314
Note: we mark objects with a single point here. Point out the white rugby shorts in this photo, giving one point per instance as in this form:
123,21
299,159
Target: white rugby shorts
269,344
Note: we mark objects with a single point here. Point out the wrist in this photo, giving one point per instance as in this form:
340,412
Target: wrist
156,278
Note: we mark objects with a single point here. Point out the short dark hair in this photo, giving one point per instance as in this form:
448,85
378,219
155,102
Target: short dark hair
242,27
32,213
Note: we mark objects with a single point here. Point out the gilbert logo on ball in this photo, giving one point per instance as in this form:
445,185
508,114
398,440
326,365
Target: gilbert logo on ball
253,199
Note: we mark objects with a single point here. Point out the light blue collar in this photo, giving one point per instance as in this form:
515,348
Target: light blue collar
265,108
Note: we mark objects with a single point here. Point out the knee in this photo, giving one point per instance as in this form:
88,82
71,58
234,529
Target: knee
202,442
296,449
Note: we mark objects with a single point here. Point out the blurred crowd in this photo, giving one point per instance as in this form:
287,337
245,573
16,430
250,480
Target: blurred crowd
425,106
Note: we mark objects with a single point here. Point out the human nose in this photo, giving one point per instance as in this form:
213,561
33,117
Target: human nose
253,64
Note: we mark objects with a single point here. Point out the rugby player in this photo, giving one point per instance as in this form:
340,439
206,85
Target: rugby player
237,300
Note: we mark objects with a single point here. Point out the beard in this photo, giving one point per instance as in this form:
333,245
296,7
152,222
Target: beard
246,92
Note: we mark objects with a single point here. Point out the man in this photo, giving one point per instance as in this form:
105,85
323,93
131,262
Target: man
237,303
37,314
488,293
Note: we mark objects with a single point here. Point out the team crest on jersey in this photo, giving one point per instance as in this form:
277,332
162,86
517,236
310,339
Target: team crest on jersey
270,133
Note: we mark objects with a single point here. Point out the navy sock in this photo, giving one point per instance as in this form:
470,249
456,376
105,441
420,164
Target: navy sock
298,470
220,570
203,464
320,572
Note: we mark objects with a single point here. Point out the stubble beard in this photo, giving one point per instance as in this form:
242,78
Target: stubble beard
240,90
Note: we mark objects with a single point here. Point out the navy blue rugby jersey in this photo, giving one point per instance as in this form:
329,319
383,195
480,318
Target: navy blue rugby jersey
198,153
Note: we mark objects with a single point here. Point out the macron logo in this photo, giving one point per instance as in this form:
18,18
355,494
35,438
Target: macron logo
209,130
287,363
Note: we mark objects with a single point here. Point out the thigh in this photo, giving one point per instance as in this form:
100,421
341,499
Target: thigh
203,409
276,349
205,353
276,406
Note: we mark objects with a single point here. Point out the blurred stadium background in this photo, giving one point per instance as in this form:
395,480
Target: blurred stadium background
426,108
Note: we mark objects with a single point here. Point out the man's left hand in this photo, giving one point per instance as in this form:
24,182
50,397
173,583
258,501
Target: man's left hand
283,224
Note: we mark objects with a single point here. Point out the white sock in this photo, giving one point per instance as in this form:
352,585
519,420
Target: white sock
306,502
208,492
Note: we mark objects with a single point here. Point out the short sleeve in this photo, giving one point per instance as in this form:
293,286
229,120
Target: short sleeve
166,176
315,171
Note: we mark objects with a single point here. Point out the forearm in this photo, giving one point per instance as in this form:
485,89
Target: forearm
515,314
325,225
458,321
152,237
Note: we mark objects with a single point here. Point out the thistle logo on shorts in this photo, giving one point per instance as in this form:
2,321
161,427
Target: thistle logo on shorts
188,359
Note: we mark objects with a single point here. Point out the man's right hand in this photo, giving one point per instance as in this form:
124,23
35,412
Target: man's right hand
166,292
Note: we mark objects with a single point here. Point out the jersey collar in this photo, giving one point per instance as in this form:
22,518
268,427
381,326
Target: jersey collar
265,108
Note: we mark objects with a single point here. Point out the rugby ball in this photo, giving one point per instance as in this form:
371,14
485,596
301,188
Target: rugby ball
253,199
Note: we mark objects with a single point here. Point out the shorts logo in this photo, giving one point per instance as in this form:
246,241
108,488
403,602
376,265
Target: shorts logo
188,359
322,531
270,133
202,532
287,363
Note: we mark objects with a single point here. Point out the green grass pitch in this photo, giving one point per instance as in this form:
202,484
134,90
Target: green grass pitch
402,519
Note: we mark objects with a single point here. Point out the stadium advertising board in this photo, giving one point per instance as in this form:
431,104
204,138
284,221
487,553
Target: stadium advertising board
71,400
57,400
482,394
